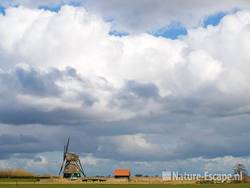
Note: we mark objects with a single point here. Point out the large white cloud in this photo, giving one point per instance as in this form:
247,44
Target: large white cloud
137,97
73,37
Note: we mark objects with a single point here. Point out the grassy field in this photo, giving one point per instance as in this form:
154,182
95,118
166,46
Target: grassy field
124,186
17,180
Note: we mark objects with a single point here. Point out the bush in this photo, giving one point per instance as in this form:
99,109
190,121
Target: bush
15,173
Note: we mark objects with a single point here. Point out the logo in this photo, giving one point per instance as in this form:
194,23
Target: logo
206,176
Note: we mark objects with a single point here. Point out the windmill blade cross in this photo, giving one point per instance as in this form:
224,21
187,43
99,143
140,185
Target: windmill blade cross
67,146
81,168
61,167
65,150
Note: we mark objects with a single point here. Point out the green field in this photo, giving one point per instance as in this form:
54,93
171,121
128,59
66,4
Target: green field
124,186
2,180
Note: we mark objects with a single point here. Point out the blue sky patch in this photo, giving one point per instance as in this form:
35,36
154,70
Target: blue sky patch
213,19
2,10
57,7
172,31
53,8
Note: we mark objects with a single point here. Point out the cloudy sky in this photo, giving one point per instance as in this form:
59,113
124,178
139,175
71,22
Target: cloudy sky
149,84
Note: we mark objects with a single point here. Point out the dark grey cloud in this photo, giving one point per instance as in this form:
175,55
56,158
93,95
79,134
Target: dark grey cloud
169,135
11,139
20,115
17,143
134,95
180,138
206,113
33,82
41,85
26,141
30,81
145,90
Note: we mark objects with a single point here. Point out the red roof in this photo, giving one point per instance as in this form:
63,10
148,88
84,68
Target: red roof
122,172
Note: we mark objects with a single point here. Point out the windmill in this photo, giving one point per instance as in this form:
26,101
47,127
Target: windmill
71,165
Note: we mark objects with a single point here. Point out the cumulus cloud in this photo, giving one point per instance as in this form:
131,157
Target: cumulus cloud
136,98
148,15
38,161
37,3
145,15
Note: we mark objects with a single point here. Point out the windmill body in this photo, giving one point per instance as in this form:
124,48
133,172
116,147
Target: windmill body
71,165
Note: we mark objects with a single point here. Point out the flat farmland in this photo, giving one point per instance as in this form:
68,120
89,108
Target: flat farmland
123,186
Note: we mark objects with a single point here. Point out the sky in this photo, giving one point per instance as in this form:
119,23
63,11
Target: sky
147,85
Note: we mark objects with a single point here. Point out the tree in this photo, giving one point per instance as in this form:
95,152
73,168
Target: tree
240,169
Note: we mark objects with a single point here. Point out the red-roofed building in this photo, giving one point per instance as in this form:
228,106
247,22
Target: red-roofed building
122,173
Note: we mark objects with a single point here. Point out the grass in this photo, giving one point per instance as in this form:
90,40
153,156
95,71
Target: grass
17,180
123,186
